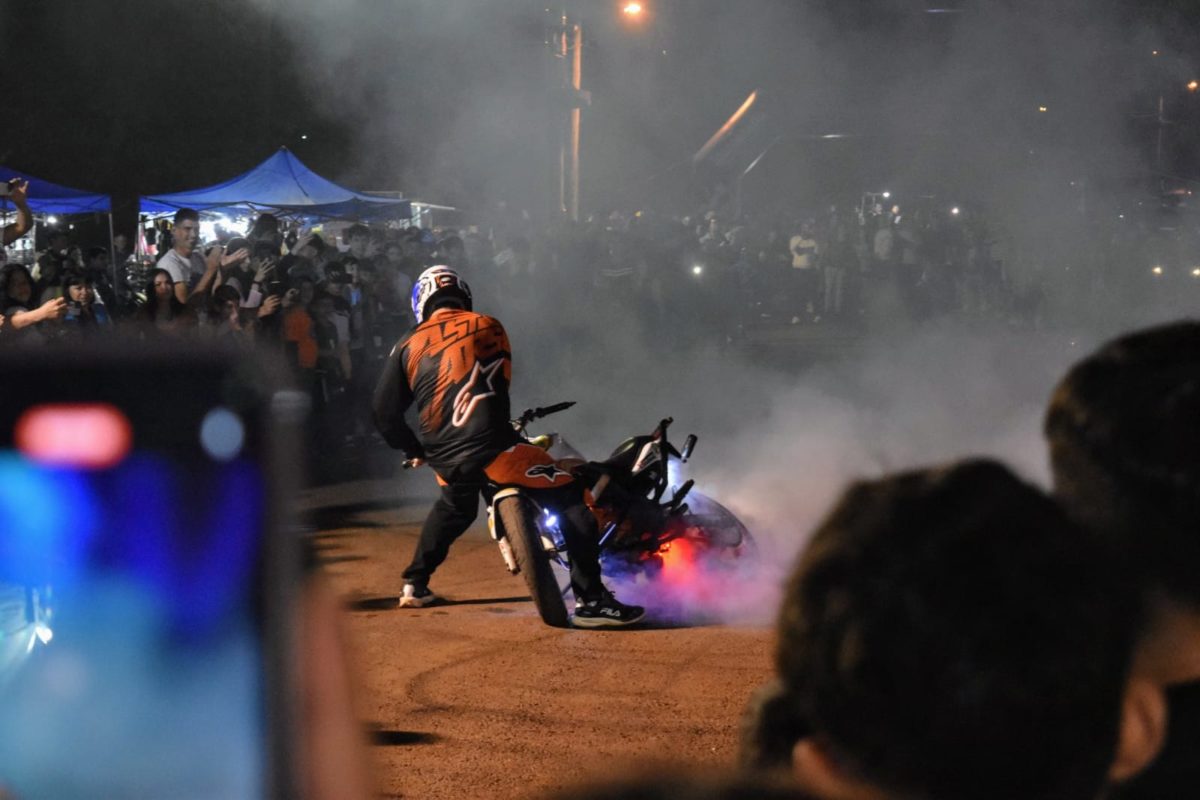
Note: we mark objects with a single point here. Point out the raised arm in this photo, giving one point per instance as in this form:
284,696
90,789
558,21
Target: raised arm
24,222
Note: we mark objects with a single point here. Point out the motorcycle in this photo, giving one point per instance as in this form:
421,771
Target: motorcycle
640,515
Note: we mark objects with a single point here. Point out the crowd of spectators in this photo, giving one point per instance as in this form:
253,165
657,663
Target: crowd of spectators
949,632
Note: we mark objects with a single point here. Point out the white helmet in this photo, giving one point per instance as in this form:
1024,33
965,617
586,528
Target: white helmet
435,282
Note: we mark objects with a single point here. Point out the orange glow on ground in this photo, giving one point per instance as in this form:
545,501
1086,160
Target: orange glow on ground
680,559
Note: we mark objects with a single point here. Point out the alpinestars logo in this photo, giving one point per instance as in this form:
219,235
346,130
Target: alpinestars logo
480,385
548,471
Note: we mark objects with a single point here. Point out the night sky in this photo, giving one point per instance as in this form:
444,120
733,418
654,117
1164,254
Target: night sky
455,101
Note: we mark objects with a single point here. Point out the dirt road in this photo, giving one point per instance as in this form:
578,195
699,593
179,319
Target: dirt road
476,698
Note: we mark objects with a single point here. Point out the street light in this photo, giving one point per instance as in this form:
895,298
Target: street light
1193,86
568,45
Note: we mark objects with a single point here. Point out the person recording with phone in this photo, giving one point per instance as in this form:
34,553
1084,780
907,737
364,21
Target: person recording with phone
16,191
85,316
21,309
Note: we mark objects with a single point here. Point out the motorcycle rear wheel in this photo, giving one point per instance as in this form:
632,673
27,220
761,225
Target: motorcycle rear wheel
518,516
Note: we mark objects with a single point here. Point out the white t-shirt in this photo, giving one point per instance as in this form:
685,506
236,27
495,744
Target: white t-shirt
183,270
804,251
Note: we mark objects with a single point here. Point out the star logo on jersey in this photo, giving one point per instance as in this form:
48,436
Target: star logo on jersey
480,385
548,471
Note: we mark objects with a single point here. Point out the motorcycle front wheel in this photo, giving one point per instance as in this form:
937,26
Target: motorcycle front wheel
519,518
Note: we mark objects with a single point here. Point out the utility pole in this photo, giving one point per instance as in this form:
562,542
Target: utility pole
570,50
576,114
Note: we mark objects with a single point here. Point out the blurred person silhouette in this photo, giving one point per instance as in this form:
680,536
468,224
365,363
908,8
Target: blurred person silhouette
806,278
947,634
22,313
333,749
1124,432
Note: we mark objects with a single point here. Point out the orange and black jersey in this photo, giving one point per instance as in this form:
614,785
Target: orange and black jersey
457,367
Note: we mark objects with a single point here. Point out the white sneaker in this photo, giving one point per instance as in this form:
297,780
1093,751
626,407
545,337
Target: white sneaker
412,597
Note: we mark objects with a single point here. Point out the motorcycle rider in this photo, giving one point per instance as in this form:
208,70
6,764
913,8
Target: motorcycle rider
456,366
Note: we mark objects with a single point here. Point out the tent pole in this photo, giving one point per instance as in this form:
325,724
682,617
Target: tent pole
112,253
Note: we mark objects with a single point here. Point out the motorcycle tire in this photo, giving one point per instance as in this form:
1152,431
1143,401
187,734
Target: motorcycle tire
518,517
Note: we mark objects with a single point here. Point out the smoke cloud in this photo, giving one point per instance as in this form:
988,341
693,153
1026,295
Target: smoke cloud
1024,113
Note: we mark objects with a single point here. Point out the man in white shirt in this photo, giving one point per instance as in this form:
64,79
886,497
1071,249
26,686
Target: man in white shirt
183,262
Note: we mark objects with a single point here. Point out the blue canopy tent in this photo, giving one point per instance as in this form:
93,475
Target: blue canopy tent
50,198
284,185
46,198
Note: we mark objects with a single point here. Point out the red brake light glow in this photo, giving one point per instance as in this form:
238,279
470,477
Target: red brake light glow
88,436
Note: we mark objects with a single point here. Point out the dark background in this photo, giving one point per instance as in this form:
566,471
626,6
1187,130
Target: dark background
456,101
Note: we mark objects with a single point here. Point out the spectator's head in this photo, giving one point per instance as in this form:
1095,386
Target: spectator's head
394,253
266,229
336,277
57,241
322,307
307,290
186,230
357,237
161,288
77,288
350,267
50,267
225,303
313,248
239,243
16,286
368,274
452,252
121,243
97,259
1124,434
947,634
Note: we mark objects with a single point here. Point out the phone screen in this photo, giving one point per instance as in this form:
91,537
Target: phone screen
136,645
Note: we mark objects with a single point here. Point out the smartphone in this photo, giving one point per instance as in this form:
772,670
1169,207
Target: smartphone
6,187
148,575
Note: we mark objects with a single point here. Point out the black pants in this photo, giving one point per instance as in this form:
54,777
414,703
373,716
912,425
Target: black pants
458,507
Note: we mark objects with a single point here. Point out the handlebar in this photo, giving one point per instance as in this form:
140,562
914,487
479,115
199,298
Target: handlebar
530,414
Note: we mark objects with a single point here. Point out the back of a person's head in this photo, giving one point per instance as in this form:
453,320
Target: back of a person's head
264,224
1124,434
947,635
